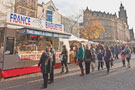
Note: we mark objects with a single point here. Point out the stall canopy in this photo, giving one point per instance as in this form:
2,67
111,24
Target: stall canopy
35,26
132,42
74,38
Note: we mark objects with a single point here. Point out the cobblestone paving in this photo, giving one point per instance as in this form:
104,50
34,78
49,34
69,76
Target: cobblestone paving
119,79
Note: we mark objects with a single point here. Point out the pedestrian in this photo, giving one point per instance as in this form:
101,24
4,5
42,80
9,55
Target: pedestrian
123,58
80,57
99,47
52,50
100,59
107,57
116,51
45,63
75,53
127,52
93,53
87,60
64,55
112,50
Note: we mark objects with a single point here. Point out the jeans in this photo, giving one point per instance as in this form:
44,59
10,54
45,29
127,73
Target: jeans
45,79
107,62
100,64
80,64
87,67
52,74
64,62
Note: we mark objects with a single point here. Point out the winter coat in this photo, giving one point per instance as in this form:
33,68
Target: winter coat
107,55
88,56
64,55
45,62
52,50
116,50
80,54
127,52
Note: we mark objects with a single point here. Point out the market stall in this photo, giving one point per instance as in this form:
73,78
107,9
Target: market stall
24,40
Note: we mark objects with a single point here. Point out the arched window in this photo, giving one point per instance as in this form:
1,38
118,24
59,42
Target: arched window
49,13
50,8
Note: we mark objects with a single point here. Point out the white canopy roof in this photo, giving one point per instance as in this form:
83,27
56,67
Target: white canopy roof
132,42
74,38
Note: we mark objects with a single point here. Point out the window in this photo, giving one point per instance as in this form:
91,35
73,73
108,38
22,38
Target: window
32,14
50,8
49,16
22,11
24,1
32,3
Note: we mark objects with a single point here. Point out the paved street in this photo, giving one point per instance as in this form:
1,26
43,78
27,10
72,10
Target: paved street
119,79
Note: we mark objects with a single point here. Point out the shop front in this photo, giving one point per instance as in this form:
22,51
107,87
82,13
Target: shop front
23,41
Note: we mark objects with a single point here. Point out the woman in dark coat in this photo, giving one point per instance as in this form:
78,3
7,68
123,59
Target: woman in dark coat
107,57
46,65
87,60
64,60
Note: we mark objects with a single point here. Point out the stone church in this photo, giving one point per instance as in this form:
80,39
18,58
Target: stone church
116,27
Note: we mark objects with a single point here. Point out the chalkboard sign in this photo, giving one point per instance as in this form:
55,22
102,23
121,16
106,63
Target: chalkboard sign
10,45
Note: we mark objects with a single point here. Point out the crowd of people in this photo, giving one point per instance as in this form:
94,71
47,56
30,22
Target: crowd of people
87,54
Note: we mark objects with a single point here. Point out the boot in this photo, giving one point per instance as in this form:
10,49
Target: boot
82,72
128,65
67,70
62,69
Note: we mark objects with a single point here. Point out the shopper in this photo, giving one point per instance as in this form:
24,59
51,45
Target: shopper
127,52
93,53
64,55
100,60
45,63
107,57
75,53
80,57
123,58
52,50
116,51
87,60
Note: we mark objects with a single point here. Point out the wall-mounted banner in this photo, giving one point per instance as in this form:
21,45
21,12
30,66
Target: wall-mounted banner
26,21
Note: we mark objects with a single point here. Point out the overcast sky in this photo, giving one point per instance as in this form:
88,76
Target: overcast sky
71,7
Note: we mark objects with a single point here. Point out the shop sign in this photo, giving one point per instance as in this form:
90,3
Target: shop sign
26,21
34,56
43,33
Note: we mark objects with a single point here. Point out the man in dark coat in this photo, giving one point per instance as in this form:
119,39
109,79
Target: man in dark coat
46,65
52,50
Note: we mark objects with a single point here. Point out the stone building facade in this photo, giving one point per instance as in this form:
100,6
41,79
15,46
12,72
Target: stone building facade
49,11
131,34
26,7
116,28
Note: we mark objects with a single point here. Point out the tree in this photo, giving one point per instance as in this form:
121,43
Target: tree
92,31
71,23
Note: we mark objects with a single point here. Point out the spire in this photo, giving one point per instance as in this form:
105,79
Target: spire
121,6
87,8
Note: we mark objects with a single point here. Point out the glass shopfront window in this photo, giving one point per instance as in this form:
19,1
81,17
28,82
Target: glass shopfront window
1,45
31,46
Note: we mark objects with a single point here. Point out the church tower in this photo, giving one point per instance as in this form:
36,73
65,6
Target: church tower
123,14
